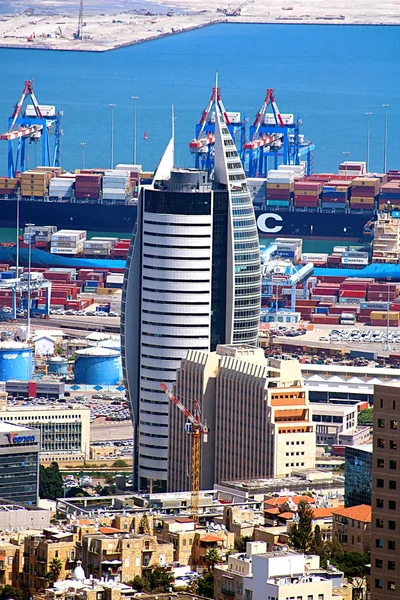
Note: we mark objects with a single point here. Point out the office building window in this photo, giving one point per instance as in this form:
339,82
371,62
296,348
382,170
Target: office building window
379,584
392,485
381,423
379,483
392,525
392,464
391,565
378,563
379,503
391,545
379,523
381,443
392,504
393,424
380,463
378,543
391,586
392,445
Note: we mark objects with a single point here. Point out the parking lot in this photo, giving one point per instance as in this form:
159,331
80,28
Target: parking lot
357,337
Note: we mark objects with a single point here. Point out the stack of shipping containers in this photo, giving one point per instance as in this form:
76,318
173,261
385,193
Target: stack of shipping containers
88,186
280,185
364,192
68,241
35,184
335,194
306,193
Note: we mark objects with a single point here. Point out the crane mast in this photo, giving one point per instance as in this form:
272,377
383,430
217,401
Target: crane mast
198,432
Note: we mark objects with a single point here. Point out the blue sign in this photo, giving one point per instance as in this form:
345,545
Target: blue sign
15,438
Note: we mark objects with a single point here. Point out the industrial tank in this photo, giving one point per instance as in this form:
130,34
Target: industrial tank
57,366
110,344
16,361
98,366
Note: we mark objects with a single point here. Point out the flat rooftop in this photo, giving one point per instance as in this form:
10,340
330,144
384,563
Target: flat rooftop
6,427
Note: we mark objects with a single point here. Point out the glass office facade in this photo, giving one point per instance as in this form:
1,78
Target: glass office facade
358,473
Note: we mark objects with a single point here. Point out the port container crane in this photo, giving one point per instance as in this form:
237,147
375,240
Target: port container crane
275,136
198,432
202,146
236,12
33,124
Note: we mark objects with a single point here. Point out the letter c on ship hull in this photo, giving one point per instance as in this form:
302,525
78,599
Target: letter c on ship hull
262,223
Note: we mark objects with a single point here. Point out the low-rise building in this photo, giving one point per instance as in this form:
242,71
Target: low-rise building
62,429
113,554
192,543
351,527
259,575
39,550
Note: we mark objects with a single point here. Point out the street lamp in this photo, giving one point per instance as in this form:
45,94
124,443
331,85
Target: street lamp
83,144
368,115
346,154
134,98
385,133
112,106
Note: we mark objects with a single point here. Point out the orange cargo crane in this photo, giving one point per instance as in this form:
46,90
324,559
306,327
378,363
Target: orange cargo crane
198,432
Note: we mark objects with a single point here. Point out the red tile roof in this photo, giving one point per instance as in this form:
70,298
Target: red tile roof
286,515
284,499
272,511
107,530
184,520
210,537
362,512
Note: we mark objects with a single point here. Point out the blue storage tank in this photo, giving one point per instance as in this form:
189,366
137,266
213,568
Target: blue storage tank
57,366
98,366
16,361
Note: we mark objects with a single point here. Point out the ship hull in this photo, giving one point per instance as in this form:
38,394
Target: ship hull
121,219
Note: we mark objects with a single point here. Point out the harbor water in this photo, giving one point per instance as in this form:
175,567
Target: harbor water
328,75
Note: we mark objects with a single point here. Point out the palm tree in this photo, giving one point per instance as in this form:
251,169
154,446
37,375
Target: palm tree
212,557
55,569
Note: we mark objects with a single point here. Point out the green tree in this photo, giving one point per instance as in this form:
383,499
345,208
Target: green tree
317,545
77,492
138,584
157,580
55,569
9,591
109,478
205,585
240,543
50,482
333,552
365,417
353,564
212,558
120,462
144,526
301,533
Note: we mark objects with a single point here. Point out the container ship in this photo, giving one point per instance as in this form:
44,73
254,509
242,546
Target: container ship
328,205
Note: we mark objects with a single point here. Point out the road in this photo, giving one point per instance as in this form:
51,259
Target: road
110,432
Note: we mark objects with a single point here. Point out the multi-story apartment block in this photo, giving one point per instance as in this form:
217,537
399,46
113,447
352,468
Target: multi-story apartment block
256,408
385,525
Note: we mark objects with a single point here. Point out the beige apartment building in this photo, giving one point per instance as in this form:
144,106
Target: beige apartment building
256,408
385,526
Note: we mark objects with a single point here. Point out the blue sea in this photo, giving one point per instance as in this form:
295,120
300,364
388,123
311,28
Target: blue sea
328,75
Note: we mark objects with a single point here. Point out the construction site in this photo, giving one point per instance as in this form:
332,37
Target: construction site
83,26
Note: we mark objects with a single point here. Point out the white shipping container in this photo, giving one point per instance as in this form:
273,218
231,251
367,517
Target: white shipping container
294,168
115,278
130,168
72,251
315,257
352,260
339,249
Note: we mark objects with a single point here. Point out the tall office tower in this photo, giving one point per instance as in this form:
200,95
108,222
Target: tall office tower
258,414
192,281
385,526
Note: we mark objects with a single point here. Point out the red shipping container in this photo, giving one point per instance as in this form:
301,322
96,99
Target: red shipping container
352,294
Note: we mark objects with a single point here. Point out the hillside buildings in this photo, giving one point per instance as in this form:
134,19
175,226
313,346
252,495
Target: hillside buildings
257,410
192,282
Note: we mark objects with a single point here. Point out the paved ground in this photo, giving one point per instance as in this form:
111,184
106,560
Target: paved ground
107,432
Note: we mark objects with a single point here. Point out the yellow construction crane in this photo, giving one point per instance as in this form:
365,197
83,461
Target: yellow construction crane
198,432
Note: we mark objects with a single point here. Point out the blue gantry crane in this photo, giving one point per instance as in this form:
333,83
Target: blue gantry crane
280,277
33,124
202,146
275,138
